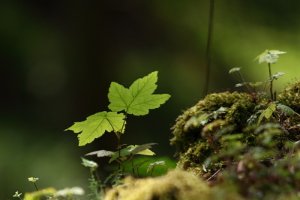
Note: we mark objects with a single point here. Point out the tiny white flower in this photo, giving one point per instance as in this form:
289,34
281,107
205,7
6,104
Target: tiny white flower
33,179
17,194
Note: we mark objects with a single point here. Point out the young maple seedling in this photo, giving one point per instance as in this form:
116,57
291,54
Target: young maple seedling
271,57
136,100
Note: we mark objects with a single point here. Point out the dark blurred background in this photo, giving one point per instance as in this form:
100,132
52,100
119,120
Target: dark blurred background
57,59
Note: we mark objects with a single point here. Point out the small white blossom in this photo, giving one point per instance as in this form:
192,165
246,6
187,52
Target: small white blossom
17,194
33,179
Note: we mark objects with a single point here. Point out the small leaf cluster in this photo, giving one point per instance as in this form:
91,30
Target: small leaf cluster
269,57
136,100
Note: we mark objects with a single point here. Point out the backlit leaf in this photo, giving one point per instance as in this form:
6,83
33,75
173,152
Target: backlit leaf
267,113
277,75
288,111
89,163
138,99
131,150
154,164
235,69
143,149
101,153
269,56
96,125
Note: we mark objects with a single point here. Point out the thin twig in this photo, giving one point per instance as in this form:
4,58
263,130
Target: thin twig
213,175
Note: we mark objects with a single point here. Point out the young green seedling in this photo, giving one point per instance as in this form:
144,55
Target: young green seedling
18,195
243,82
271,57
34,180
136,100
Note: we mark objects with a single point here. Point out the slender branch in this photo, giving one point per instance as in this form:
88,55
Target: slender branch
208,46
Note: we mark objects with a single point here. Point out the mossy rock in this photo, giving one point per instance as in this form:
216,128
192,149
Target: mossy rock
290,96
236,138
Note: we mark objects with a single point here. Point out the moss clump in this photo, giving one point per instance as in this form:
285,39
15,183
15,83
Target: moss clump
196,132
243,139
290,96
176,185
43,194
234,108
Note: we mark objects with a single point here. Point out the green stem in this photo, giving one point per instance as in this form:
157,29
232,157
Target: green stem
243,81
35,186
132,165
119,150
208,46
271,82
119,138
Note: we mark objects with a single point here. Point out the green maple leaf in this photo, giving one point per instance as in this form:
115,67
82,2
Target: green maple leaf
138,99
96,125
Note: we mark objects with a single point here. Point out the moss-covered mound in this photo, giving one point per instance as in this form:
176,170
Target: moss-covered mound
244,139
172,186
176,185
291,96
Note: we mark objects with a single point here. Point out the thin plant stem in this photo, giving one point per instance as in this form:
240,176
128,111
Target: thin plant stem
132,165
243,81
36,188
271,82
118,134
119,139
119,150
208,46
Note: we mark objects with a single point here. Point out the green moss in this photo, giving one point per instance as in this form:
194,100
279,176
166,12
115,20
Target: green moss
228,138
197,130
290,96
237,106
43,194
176,185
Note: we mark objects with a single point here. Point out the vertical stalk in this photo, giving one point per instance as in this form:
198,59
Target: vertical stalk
243,81
271,82
36,188
208,46
119,138
119,149
132,165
